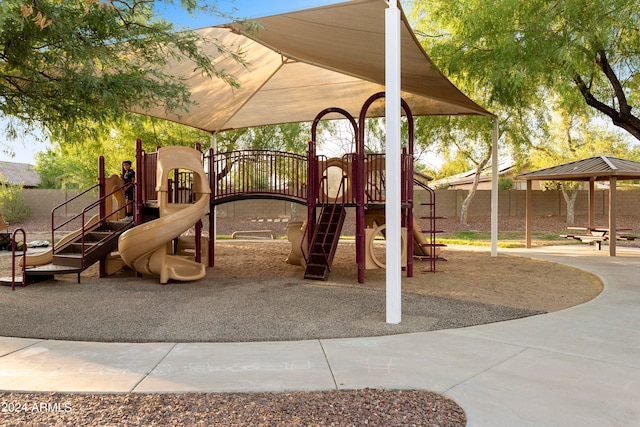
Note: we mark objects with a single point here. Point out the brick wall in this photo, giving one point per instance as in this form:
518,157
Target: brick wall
42,202
448,203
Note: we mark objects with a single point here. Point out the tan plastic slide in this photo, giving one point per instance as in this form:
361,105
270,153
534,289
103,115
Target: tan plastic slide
376,217
46,257
147,248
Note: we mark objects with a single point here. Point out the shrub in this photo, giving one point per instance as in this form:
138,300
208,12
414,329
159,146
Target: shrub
505,183
12,204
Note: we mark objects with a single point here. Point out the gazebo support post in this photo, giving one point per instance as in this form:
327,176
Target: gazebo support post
612,215
592,202
528,213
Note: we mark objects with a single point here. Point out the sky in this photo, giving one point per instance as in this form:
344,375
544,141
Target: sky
26,148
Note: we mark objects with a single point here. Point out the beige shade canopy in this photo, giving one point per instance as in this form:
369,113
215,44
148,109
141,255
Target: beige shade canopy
598,168
302,62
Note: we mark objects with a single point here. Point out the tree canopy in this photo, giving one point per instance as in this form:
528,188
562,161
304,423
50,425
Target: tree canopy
64,64
72,159
517,51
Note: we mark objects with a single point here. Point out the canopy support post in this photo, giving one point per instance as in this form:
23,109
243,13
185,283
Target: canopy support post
393,206
613,232
494,189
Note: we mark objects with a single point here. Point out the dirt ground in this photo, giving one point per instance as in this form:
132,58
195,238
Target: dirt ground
467,275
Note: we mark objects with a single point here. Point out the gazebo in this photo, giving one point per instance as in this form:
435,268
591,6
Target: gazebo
599,168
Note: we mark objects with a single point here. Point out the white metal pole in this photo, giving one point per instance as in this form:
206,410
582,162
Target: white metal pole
494,189
393,169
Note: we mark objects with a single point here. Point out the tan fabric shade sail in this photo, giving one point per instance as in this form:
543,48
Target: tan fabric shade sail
302,62
599,168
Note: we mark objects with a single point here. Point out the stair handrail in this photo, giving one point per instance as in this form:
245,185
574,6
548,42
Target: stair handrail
53,211
82,215
13,258
432,220
334,206
321,184
101,219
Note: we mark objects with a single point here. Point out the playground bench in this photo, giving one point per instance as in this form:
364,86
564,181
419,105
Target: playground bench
253,234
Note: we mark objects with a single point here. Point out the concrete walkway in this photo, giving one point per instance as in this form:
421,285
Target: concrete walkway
576,367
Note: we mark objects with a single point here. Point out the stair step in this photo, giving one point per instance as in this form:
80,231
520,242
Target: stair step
68,259
432,245
315,258
316,272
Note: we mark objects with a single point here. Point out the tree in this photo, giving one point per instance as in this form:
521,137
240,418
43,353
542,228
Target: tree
72,161
67,64
290,137
529,61
462,141
519,51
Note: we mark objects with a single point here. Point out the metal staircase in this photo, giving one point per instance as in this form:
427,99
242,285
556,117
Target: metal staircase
325,241
430,249
89,247
92,246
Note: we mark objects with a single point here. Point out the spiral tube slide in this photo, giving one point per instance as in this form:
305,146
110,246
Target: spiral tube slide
147,248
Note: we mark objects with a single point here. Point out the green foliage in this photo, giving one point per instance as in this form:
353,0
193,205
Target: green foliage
72,162
12,206
463,142
71,64
523,61
518,53
290,137
505,183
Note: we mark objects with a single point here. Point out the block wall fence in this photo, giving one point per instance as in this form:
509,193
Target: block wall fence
448,203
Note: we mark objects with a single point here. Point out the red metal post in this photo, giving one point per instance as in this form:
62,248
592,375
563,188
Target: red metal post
138,199
103,211
213,184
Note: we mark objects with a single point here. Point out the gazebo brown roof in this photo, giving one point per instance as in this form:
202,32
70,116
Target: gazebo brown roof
599,168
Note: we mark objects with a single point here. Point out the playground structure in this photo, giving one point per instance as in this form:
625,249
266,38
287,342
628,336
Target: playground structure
178,186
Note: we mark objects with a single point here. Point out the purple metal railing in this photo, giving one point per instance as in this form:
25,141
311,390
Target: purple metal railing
13,258
82,216
338,204
257,173
148,177
55,227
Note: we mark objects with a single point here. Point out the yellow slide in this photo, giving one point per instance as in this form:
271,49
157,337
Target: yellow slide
147,248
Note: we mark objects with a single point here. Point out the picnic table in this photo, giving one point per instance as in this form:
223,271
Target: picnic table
595,235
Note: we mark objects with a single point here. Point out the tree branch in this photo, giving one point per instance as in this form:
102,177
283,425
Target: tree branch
605,66
626,121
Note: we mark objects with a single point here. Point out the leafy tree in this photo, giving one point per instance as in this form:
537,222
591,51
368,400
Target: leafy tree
72,162
71,64
518,51
505,183
291,137
530,61
464,142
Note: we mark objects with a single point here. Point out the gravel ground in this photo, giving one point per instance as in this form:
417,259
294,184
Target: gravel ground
368,407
